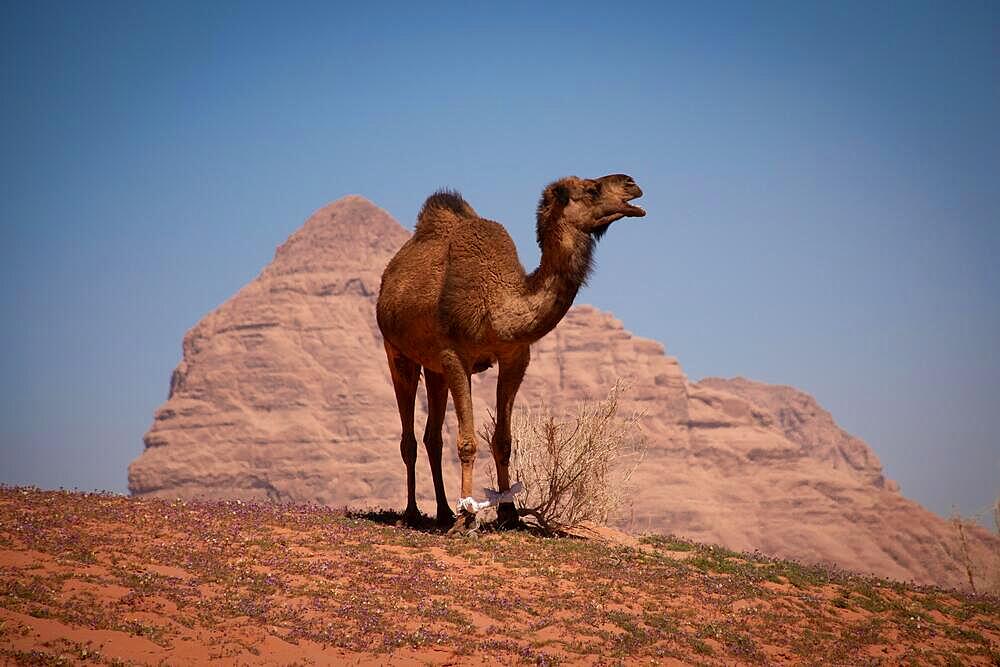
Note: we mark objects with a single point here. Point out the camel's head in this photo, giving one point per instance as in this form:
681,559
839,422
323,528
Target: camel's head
589,204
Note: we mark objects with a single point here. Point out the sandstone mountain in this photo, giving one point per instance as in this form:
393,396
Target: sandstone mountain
283,394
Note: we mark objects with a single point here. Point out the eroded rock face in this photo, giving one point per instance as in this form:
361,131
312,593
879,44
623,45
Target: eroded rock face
283,394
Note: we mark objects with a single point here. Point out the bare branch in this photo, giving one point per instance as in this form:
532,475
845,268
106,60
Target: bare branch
574,468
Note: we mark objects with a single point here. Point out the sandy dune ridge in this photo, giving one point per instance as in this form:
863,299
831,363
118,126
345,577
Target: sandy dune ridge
104,579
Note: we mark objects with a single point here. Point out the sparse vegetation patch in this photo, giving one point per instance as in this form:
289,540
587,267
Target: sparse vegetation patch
224,582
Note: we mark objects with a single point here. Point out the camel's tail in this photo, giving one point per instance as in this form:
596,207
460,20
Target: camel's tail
443,209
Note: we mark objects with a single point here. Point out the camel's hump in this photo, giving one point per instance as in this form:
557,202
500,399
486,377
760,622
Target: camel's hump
441,210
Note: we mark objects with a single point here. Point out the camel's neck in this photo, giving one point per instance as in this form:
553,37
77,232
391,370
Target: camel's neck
550,289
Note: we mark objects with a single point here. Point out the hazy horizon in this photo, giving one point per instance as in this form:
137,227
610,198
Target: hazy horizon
820,182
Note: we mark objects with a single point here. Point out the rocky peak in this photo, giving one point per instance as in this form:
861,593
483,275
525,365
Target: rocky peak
350,235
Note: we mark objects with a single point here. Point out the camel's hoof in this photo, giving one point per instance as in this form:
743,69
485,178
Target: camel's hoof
507,517
411,519
465,525
445,517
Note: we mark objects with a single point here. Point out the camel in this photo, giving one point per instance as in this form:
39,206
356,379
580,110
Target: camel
455,300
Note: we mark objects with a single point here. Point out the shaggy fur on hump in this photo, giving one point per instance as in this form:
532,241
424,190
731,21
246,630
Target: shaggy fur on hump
441,209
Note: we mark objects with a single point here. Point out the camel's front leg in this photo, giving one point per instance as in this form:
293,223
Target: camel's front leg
511,373
457,377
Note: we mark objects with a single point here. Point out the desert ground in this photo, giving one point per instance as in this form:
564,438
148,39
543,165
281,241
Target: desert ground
94,578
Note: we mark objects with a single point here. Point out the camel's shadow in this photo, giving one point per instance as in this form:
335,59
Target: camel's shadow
488,523
390,517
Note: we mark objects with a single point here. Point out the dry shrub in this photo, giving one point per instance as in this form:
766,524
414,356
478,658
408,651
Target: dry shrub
574,468
978,563
964,555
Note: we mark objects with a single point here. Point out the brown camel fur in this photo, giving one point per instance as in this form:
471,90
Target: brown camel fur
455,300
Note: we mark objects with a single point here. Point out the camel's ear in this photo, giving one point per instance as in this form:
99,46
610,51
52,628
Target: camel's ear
554,199
557,194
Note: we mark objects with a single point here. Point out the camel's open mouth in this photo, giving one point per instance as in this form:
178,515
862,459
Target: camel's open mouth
625,210
632,210
623,188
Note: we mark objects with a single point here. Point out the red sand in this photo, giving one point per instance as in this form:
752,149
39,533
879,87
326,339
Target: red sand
101,579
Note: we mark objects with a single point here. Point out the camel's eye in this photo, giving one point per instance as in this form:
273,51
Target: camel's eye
594,191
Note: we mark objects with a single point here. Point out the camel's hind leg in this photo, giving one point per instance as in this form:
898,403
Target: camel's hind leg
405,376
437,403
511,373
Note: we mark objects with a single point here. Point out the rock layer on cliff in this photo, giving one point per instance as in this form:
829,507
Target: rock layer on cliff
283,394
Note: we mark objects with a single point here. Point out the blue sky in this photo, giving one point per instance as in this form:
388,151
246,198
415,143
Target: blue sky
821,181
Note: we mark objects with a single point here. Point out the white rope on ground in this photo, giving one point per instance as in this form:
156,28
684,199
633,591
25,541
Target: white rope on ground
493,498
